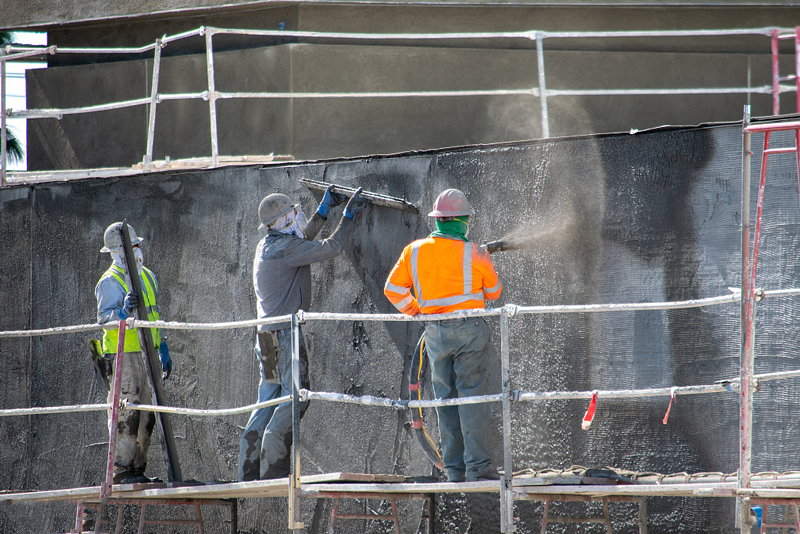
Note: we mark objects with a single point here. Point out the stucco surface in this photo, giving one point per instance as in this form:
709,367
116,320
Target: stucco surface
617,218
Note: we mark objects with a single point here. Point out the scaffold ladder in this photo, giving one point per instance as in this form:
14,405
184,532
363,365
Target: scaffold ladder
232,504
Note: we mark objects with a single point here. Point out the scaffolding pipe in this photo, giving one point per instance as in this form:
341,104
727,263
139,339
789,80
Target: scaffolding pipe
58,113
294,476
542,86
506,486
776,78
151,124
746,354
3,125
797,66
212,95
398,317
116,388
383,94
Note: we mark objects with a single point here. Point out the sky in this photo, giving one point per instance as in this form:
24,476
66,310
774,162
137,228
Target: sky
15,88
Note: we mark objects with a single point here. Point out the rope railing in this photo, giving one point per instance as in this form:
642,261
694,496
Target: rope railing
725,385
511,309
721,386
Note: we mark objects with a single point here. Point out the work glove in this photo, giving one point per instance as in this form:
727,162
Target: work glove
166,361
131,300
331,199
129,304
356,205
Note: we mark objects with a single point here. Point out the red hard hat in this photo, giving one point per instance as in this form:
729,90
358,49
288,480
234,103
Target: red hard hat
451,203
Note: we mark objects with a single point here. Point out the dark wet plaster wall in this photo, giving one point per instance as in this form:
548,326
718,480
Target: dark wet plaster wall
619,218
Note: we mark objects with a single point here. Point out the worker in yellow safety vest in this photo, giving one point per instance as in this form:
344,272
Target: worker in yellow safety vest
115,302
447,272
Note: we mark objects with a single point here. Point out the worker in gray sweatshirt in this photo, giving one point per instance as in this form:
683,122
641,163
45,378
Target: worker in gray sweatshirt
282,281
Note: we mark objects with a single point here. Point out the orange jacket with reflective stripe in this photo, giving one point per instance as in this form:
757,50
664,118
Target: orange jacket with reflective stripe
446,275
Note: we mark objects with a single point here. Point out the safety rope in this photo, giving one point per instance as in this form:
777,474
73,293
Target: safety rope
510,309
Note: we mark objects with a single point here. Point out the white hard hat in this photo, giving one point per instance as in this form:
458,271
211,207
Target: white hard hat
112,238
451,203
272,207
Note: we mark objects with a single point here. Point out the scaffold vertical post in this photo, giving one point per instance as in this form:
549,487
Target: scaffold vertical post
3,126
105,489
151,125
776,78
797,66
542,86
506,482
294,476
212,95
745,360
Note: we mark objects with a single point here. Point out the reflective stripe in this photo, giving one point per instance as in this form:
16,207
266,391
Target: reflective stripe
405,302
414,273
149,288
449,301
467,268
493,289
396,289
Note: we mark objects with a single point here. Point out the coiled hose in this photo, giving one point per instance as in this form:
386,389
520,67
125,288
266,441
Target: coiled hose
418,364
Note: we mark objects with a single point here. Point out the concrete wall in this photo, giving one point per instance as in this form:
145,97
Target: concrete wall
617,218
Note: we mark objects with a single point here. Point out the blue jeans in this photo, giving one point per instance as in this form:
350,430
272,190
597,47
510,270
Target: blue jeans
458,351
266,444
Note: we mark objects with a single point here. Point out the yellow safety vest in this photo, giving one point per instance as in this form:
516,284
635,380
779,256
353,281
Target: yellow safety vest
149,288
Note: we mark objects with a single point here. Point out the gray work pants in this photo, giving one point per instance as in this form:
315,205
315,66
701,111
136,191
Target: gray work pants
266,444
458,351
134,427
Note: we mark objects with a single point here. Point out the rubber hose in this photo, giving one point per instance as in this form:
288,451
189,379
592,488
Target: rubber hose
417,370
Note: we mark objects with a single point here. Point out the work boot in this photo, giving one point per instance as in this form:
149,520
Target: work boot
274,472
130,478
88,519
489,475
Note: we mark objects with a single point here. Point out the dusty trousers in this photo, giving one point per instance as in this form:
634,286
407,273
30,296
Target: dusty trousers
265,447
458,351
134,427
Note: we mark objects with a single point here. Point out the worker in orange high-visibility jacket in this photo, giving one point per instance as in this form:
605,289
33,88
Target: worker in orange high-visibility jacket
447,272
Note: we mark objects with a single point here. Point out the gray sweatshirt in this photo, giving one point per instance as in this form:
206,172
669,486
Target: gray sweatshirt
282,268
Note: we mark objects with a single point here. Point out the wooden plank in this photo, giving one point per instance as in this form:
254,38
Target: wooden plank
546,481
664,490
352,477
488,486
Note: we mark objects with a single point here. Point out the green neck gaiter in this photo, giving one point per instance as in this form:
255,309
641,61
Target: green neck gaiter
455,228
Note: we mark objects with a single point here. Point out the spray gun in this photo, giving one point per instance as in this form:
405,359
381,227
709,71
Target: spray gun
499,246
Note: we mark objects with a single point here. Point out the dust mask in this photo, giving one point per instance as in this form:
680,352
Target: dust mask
293,223
138,256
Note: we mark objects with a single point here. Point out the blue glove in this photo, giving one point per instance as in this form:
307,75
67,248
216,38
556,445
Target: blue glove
166,361
131,301
356,204
123,313
330,200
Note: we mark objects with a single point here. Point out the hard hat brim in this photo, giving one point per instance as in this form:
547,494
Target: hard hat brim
133,242
263,225
437,213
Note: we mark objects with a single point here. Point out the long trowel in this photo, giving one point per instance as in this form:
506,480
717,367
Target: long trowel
151,361
376,198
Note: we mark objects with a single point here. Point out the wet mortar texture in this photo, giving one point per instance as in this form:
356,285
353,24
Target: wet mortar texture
616,218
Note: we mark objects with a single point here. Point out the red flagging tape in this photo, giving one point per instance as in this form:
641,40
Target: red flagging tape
671,398
587,419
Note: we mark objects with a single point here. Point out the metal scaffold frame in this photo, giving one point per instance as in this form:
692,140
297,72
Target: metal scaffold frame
771,489
212,95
